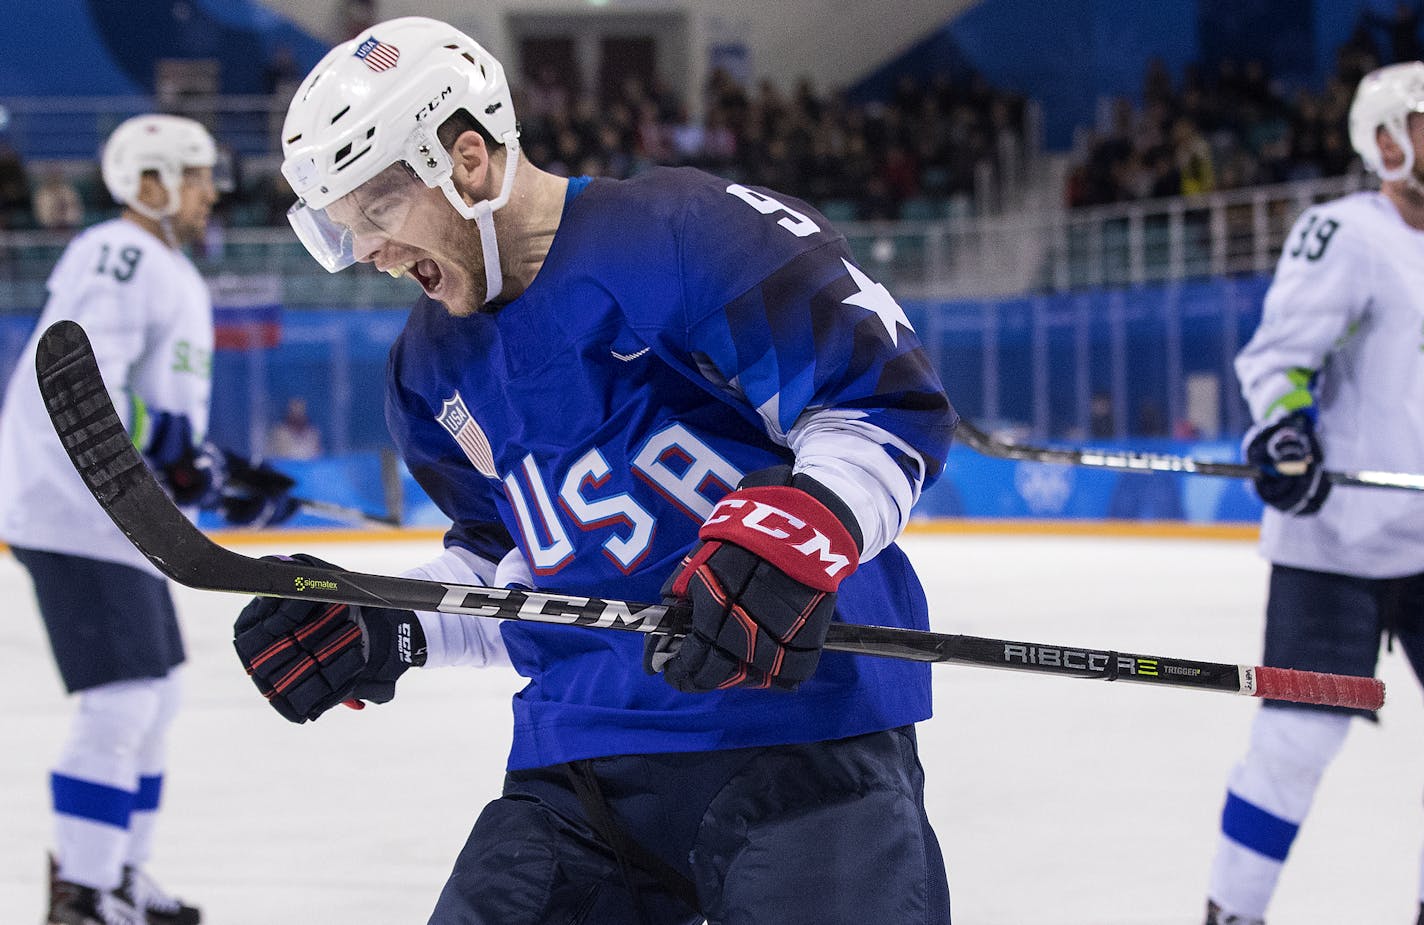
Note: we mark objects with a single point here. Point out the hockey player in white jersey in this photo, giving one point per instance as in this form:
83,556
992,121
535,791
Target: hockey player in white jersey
108,613
1334,373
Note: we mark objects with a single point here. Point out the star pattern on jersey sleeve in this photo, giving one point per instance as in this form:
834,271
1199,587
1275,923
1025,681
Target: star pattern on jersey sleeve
876,299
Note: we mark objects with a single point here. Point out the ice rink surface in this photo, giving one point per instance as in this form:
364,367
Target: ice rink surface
1058,801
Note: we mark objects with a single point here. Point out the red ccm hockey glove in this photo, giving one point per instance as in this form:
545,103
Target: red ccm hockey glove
762,584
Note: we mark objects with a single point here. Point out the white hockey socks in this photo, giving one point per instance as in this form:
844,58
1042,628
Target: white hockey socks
94,784
1268,796
152,758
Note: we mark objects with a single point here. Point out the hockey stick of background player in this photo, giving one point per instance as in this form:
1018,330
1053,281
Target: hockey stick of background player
83,415
349,515
391,487
1129,461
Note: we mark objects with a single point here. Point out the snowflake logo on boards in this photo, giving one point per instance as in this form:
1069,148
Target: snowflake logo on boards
376,55
1045,488
457,420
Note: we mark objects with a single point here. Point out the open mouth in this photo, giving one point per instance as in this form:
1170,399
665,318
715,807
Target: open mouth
424,271
427,273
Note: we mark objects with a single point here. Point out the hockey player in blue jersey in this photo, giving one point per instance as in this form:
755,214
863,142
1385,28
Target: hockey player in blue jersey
670,386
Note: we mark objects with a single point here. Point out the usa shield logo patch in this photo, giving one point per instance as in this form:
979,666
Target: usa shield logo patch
378,56
457,420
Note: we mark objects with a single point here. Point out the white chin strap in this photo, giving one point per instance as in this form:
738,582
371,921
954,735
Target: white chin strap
482,213
164,216
1404,171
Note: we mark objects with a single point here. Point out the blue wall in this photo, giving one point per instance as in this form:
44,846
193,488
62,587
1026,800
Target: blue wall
971,486
979,486
1053,348
1051,353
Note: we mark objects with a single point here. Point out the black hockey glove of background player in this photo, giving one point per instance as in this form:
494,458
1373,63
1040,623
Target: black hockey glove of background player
762,584
246,494
1292,465
308,656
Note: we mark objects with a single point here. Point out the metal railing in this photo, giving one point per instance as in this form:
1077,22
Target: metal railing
1118,321
1055,249
74,127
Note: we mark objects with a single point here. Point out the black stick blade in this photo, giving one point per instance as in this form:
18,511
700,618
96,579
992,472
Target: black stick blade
78,403
91,432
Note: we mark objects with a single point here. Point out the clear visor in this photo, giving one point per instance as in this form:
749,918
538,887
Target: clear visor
354,226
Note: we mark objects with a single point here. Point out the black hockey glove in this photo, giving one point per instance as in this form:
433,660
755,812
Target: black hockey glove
197,476
255,495
1292,465
308,656
244,493
762,584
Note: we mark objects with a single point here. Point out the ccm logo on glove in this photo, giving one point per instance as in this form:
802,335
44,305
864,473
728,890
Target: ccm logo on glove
762,587
757,520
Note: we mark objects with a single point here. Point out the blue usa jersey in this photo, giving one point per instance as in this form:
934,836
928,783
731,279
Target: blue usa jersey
682,332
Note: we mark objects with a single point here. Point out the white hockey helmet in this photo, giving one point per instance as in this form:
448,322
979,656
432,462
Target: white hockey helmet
164,144
1384,99
378,100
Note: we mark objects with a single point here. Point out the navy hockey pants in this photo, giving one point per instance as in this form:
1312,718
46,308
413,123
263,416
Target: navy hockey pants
1322,621
106,622
821,833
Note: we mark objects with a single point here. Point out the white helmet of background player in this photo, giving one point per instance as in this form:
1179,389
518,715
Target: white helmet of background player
378,100
1384,99
166,145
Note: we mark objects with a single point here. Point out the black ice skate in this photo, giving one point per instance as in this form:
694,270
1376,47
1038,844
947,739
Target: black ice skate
72,904
160,908
1214,916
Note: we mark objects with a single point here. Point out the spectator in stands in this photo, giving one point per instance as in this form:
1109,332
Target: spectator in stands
901,173
651,142
295,436
687,138
544,96
1164,179
1336,157
56,202
1231,131
1357,55
1194,160
1100,416
14,189
930,139
1404,33
720,142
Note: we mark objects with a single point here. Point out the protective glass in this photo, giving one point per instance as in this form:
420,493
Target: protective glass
377,208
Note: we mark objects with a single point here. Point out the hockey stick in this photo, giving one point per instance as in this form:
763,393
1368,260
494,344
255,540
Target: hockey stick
1130,461
92,434
391,488
349,515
